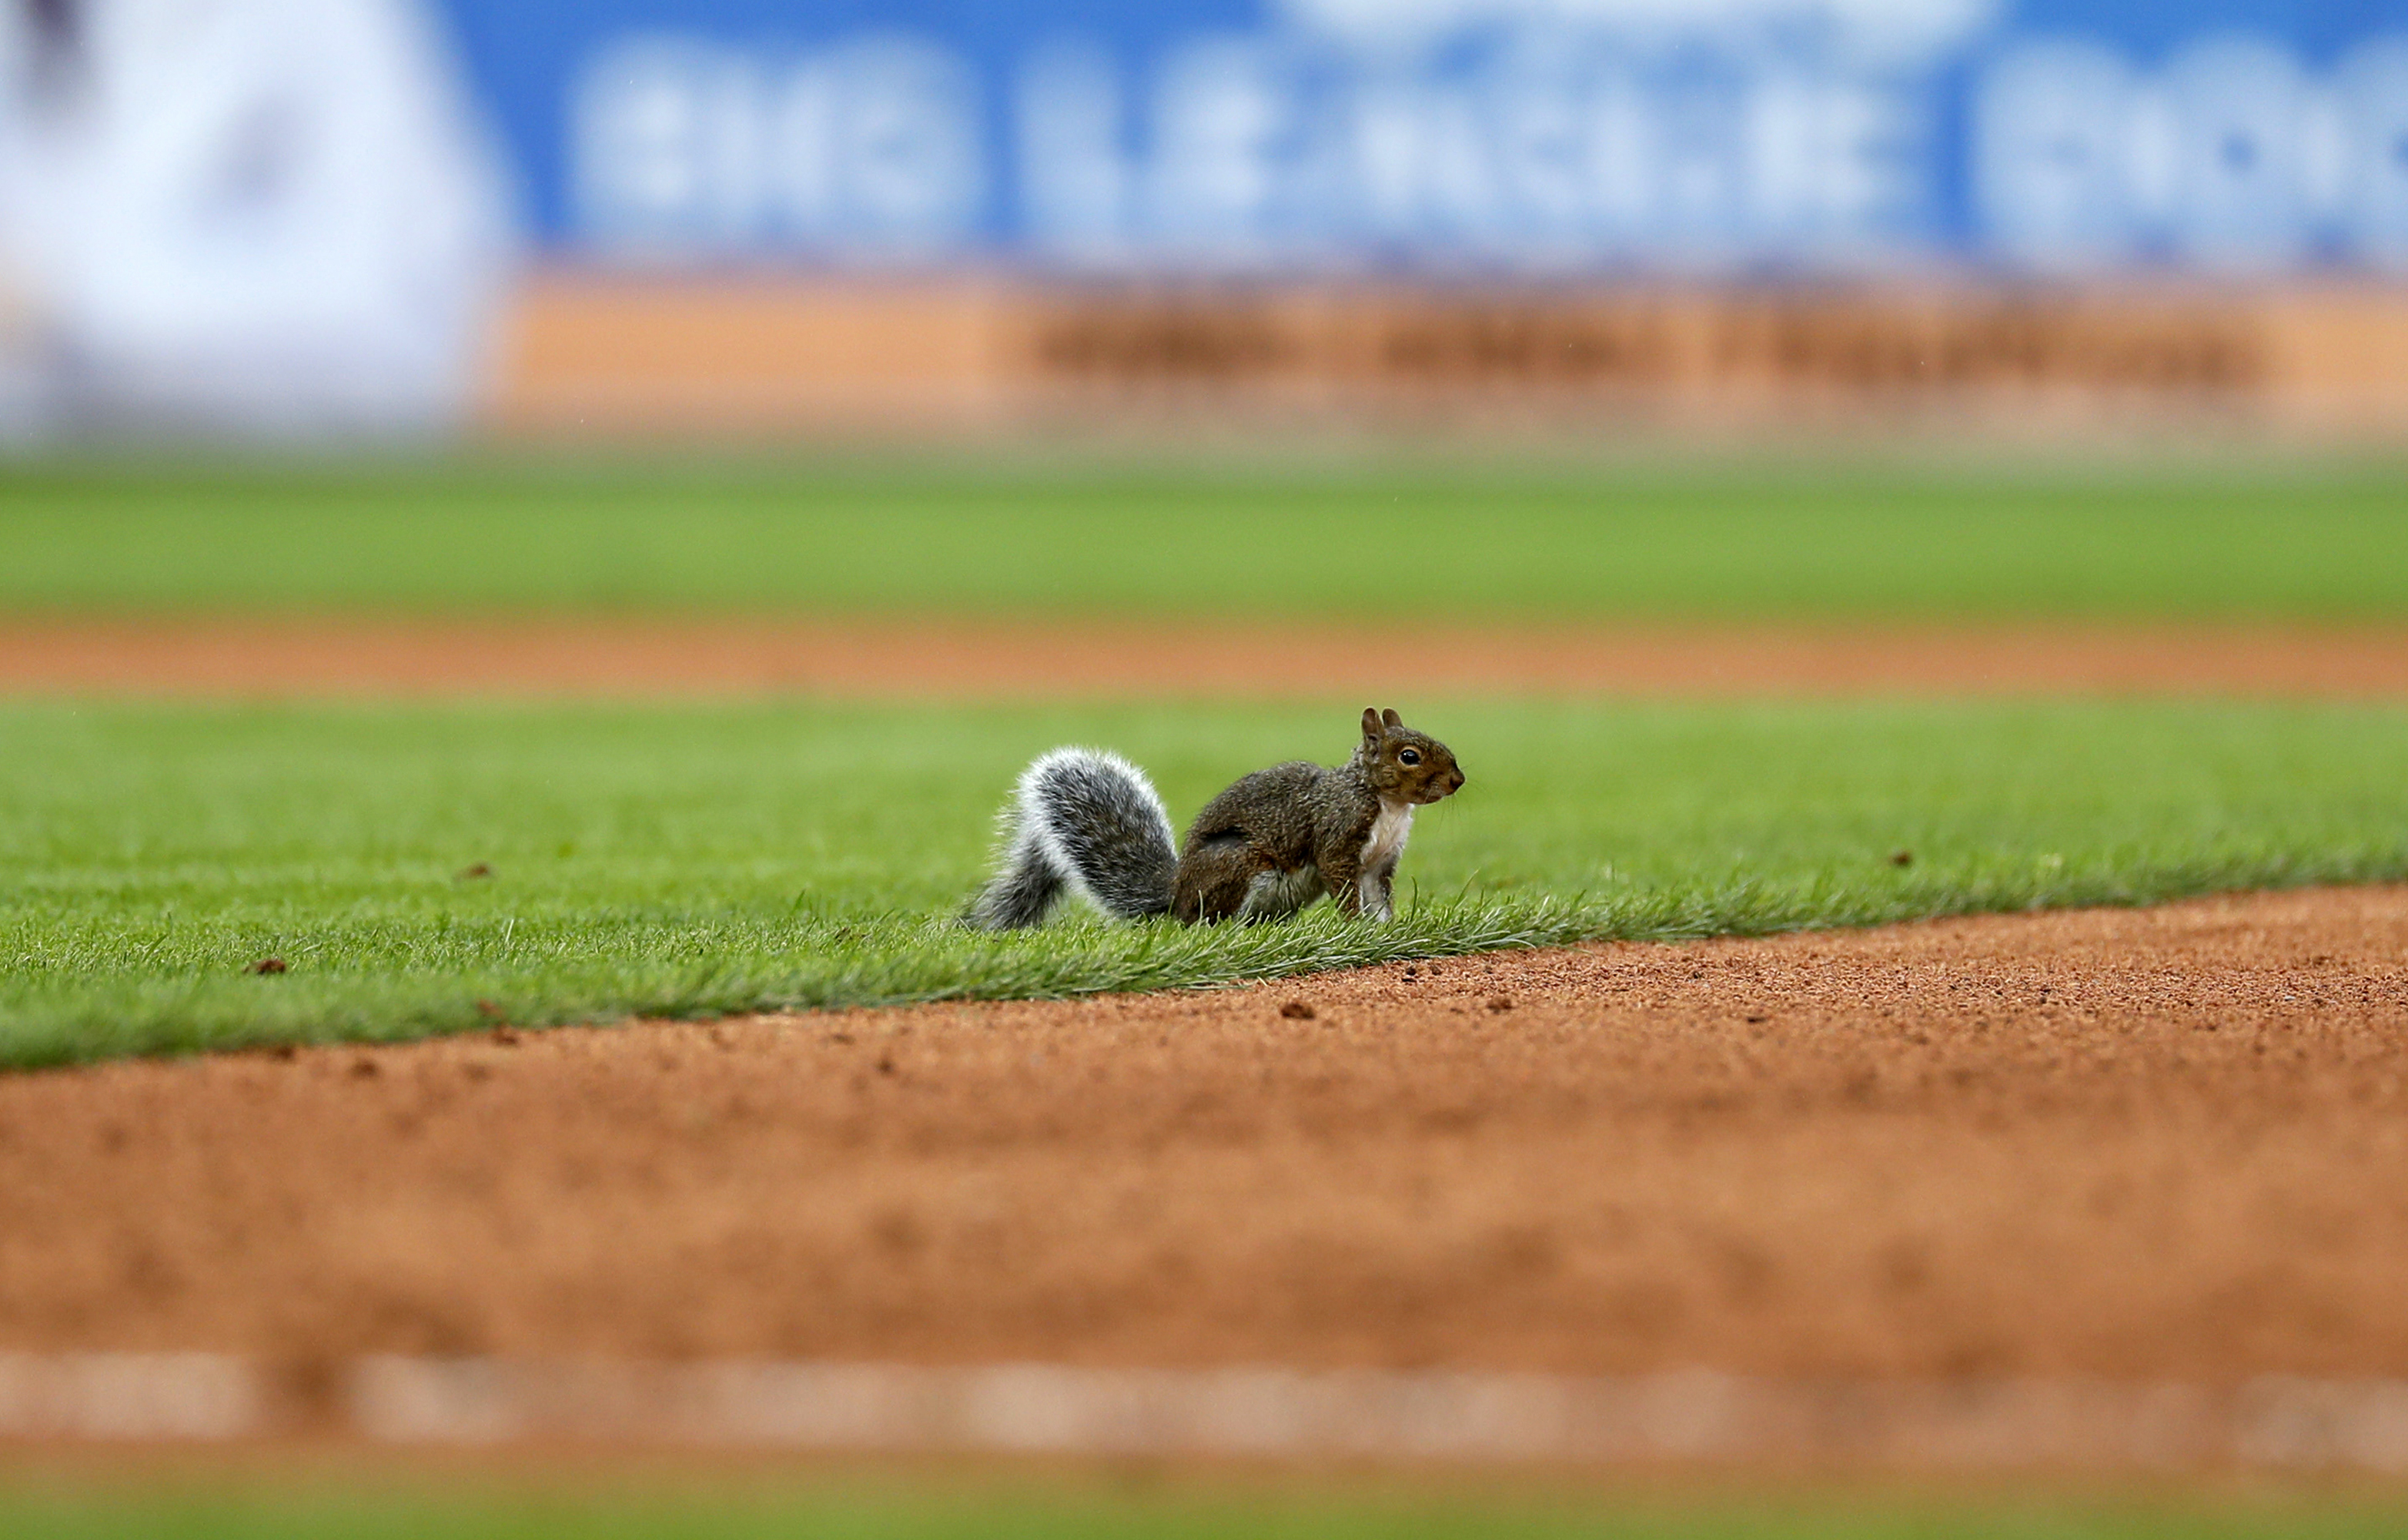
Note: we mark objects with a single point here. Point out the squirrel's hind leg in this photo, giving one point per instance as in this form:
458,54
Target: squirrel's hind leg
1220,881
1213,881
1276,895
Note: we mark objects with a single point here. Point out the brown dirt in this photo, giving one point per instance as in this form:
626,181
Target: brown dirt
264,657
2163,1144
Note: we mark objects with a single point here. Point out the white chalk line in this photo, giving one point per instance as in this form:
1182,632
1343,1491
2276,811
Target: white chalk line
148,1396
2274,1421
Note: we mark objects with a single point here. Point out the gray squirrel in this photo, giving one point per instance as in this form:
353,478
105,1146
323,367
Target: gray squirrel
1085,822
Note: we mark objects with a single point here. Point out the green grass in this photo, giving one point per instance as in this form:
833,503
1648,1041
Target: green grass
701,860
1820,540
744,1506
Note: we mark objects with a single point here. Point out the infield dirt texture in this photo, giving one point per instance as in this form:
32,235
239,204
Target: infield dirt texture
2140,1144
253,657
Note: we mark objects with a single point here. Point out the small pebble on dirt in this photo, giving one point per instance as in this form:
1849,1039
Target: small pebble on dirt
1296,1010
268,965
1501,1002
506,1034
366,1069
885,1066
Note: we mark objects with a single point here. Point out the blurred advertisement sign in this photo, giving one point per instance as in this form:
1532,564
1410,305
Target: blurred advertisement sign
266,216
1736,137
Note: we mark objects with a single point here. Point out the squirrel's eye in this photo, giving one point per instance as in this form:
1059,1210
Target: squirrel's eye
1410,756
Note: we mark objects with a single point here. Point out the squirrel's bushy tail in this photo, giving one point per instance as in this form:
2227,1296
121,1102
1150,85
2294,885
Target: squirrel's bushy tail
1091,823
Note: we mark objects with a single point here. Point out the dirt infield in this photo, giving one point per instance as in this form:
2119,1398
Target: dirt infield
2163,1144
272,658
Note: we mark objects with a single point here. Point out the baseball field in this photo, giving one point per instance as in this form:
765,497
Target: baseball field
1907,926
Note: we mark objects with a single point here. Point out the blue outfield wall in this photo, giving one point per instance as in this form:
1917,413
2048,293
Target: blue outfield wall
1734,137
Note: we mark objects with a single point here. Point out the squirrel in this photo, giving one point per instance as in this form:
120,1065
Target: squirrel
1089,823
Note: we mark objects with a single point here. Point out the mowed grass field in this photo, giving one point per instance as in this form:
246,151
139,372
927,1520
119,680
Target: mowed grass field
682,859
2310,541
1154,1505
426,869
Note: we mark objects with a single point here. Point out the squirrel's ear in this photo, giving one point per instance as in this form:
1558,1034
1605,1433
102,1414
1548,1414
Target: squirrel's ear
1371,723
1391,718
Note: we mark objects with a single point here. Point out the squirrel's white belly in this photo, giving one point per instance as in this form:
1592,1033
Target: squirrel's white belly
1383,847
